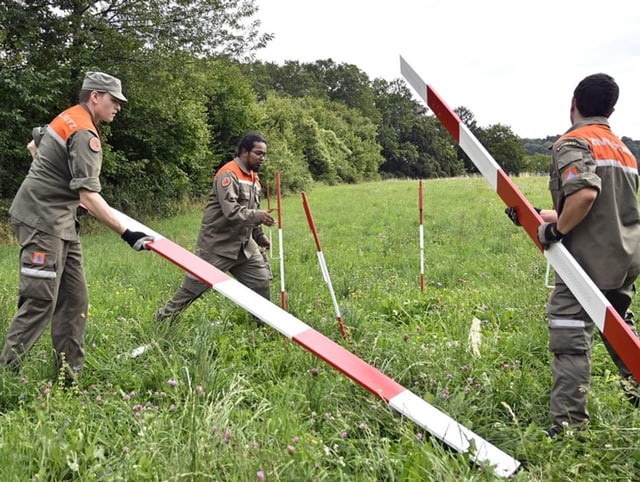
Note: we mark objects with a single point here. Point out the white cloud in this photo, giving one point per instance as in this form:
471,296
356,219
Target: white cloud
509,62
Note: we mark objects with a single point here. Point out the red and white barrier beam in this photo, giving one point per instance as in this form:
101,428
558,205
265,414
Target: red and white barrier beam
608,321
399,398
323,264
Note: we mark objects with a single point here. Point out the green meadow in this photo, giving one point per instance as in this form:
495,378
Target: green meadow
215,398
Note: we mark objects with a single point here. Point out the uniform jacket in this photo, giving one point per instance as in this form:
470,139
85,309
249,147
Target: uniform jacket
607,242
69,158
231,221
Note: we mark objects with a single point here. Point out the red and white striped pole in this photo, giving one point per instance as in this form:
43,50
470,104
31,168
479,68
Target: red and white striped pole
323,264
405,402
283,293
420,196
606,318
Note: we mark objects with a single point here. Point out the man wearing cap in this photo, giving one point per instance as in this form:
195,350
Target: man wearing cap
64,173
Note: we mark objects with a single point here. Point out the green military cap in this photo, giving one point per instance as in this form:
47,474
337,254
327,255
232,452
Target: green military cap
102,82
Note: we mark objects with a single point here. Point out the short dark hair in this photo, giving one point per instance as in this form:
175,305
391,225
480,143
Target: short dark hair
84,95
248,140
596,95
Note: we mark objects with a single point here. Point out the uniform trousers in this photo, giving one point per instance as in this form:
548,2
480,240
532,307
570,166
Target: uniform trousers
570,341
252,272
52,288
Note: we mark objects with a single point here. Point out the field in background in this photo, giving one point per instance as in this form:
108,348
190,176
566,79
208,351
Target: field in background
214,398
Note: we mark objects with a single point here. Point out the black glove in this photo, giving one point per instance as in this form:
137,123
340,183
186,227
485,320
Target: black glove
548,233
136,239
513,214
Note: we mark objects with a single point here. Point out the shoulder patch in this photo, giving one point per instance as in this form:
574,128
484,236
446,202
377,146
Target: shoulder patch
94,144
568,143
226,181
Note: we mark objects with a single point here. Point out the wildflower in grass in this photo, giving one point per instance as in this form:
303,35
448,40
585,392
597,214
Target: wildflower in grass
125,449
260,476
172,382
405,337
315,372
362,426
344,434
227,436
295,440
467,389
214,429
374,407
419,436
200,390
172,407
291,449
445,394
464,368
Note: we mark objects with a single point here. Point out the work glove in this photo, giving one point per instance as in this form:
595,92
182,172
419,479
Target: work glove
548,233
136,239
513,214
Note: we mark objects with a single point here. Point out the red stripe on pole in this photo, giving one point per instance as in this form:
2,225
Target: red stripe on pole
307,211
528,217
359,371
448,118
624,341
207,273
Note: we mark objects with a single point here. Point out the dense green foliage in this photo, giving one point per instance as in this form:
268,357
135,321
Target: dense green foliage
194,89
215,399
189,71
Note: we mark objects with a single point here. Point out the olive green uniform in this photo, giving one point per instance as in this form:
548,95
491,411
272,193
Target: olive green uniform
227,238
607,246
43,214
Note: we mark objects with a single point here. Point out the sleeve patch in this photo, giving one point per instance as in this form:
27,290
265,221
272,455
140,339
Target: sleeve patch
94,144
570,173
226,181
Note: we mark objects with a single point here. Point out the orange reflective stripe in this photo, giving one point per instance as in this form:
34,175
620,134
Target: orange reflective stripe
72,120
604,144
232,166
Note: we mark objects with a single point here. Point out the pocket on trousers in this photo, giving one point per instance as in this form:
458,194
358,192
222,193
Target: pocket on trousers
37,275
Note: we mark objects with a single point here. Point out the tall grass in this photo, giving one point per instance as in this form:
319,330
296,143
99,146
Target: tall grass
214,398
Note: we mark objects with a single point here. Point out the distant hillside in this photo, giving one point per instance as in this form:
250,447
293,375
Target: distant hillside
541,146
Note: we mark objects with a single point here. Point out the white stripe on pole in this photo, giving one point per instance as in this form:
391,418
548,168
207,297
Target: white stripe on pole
452,433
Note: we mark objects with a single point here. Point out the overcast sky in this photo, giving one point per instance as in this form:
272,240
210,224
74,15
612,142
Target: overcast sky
508,61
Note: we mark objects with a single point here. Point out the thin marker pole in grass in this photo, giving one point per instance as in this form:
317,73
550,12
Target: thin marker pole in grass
269,210
420,198
283,293
405,402
606,318
323,264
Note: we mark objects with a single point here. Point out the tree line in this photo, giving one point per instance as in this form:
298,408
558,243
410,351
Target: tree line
194,87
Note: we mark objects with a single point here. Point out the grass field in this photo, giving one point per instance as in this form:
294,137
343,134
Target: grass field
214,398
